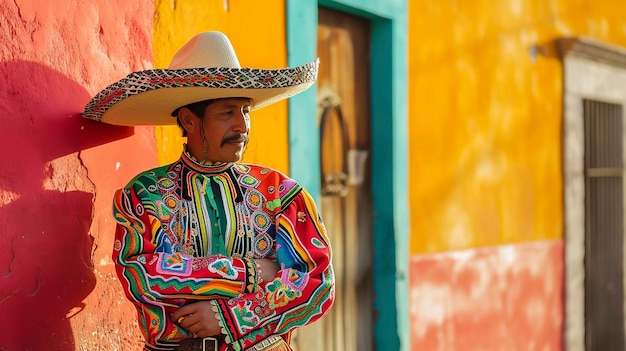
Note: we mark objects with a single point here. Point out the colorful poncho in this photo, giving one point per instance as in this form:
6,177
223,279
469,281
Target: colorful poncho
188,232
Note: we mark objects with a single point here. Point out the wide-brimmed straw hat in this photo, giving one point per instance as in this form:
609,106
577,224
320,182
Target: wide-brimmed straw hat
206,67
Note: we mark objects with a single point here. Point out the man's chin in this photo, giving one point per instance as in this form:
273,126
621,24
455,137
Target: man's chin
235,157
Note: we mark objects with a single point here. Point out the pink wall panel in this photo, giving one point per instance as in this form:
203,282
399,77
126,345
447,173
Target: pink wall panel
494,298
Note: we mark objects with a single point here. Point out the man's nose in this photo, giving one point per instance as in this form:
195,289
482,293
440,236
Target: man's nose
242,123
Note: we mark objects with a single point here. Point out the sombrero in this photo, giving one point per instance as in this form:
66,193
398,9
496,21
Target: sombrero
206,67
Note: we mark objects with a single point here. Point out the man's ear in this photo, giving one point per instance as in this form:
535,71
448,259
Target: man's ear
188,120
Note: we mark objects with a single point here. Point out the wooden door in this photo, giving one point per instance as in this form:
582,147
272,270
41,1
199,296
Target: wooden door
344,117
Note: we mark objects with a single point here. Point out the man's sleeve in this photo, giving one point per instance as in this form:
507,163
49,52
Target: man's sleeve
301,293
168,278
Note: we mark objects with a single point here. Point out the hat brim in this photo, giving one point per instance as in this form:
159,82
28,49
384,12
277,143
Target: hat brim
149,97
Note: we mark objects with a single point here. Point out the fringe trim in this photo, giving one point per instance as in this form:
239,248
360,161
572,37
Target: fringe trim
218,316
272,343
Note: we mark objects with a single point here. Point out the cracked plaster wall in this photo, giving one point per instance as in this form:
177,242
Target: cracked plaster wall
58,171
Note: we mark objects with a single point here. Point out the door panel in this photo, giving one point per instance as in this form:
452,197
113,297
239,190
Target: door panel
343,96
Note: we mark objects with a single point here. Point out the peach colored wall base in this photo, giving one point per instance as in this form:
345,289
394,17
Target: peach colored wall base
495,298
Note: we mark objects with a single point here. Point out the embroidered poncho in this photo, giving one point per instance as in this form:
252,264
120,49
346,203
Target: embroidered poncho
188,232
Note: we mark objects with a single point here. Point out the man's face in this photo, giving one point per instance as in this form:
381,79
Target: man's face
226,125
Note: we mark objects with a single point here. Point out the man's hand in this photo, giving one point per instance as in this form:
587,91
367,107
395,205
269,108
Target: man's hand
198,318
267,268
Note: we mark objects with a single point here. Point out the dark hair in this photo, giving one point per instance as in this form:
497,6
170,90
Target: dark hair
197,108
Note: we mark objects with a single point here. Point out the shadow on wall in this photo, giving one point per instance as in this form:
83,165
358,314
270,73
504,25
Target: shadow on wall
46,205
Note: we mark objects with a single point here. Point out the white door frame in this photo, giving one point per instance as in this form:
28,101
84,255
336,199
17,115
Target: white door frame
591,70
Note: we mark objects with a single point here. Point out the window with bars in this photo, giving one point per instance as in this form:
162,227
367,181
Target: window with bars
604,226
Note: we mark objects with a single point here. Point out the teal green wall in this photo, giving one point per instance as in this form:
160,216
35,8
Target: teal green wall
389,147
304,155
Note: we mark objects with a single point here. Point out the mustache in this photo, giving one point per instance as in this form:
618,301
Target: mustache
235,138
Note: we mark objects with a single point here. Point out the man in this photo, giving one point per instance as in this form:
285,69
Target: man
215,254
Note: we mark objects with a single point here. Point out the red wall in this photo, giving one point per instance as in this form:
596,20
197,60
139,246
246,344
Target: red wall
58,171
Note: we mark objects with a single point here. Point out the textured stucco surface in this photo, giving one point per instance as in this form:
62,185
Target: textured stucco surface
486,172
485,117
58,289
507,297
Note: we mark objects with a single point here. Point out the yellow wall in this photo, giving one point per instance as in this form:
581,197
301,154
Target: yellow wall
485,117
257,31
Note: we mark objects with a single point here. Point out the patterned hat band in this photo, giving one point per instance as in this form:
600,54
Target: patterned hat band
149,97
